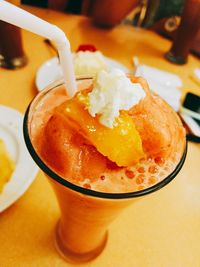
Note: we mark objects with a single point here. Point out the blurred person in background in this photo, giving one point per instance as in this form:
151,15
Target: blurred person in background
105,13
108,13
162,16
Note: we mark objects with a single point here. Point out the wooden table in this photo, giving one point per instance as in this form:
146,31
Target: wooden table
162,229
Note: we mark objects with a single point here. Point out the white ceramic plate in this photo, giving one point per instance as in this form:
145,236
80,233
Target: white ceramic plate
50,71
11,122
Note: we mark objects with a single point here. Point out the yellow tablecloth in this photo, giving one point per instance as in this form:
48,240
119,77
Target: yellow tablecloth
162,229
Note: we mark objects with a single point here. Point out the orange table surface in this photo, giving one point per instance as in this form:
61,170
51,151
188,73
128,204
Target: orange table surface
158,230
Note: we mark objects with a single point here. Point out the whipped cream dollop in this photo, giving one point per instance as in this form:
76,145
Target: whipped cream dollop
89,63
112,92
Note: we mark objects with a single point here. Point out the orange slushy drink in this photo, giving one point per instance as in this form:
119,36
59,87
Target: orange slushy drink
112,142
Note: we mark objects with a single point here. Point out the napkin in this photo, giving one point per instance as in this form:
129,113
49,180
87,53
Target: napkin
163,83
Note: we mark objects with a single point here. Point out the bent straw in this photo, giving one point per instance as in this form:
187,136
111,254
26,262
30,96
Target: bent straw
23,19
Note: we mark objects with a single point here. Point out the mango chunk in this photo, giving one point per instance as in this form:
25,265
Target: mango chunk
121,144
6,166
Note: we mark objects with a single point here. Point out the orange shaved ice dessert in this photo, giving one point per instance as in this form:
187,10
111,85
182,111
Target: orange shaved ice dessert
135,150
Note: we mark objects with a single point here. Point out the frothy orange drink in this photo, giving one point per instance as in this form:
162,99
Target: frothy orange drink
98,170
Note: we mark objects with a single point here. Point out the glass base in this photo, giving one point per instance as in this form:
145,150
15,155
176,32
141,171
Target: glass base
73,257
14,63
175,59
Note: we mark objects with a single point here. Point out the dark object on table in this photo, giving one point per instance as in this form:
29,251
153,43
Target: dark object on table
186,33
193,138
192,102
12,55
190,115
164,17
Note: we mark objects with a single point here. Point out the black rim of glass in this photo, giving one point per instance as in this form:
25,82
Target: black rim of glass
90,192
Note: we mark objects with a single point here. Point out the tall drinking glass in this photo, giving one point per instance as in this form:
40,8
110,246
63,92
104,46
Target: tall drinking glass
11,47
186,33
81,232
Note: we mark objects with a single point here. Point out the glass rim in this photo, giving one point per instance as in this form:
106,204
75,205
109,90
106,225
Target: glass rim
89,192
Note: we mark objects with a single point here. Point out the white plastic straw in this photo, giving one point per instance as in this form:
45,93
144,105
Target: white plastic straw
23,19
